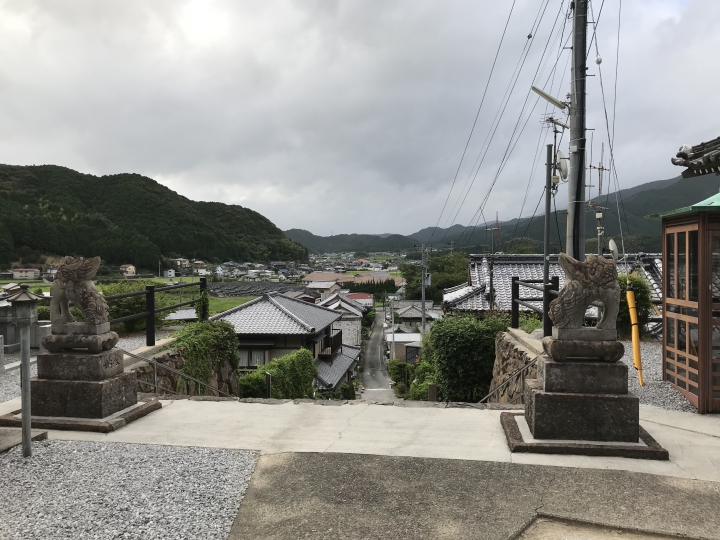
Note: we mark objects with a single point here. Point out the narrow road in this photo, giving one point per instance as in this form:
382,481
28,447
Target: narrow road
375,377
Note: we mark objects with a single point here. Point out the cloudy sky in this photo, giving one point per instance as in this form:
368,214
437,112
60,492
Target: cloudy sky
345,116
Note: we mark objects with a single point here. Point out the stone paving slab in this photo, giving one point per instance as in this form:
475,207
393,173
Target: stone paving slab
311,495
11,437
359,427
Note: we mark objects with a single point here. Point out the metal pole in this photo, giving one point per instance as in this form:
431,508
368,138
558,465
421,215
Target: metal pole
268,385
515,307
392,316
24,324
576,179
150,317
547,324
423,290
204,308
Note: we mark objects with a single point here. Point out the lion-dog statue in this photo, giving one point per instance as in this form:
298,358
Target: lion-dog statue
585,282
73,284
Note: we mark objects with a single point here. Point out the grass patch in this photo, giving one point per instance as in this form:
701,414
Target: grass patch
218,305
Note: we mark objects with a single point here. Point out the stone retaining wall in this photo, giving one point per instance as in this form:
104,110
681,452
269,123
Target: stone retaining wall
513,350
224,378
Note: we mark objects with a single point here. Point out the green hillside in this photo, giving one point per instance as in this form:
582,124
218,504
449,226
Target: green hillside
126,218
635,203
350,242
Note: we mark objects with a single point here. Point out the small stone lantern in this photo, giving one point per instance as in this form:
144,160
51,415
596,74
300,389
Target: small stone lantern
24,304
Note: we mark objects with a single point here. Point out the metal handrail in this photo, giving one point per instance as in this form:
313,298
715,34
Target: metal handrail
511,378
171,370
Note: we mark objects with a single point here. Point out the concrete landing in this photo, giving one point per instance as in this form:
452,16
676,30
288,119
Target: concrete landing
10,437
330,496
393,429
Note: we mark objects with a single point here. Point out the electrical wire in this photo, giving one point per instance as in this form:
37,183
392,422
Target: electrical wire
501,110
472,130
513,143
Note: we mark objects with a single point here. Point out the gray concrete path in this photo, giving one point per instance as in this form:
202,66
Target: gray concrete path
374,376
334,496
402,429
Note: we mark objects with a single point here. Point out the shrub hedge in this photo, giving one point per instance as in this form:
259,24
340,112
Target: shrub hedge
205,345
292,377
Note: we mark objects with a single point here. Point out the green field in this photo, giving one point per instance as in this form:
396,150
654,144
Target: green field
218,305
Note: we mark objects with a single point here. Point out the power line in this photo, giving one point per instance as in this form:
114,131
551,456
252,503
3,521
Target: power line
512,144
482,100
501,110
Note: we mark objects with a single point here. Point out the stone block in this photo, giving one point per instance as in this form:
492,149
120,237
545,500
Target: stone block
570,351
586,333
80,366
582,377
82,399
581,417
94,343
80,328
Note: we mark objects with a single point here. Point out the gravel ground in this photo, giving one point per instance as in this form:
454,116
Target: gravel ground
134,341
10,386
656,392
89,490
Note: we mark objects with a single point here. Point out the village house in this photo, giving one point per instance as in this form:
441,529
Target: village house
365,299
324,287
274,325
127,270
25,273
168,273
352,316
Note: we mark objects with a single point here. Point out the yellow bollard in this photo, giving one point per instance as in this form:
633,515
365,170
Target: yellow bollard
632,308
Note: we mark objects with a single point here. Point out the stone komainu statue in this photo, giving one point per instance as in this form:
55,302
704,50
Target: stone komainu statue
73,284
586,282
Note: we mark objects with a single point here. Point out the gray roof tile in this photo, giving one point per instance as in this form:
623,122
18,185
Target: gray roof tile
330,373
277,314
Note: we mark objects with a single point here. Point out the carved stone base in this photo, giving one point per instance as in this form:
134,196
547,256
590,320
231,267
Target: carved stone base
93,343
80,328
583,417
83,399
80,366
594,351
586,333
581,377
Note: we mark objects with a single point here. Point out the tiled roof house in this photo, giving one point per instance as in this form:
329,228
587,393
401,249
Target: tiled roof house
274,325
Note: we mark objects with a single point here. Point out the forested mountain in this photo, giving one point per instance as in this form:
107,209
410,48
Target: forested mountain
350,242
526,234
126,218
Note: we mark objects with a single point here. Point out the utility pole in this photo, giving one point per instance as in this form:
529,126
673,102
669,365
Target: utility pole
576,179
493,231
423,279
452,247
547,327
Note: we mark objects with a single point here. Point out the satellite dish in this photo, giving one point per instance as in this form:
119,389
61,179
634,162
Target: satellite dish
562,165
613,249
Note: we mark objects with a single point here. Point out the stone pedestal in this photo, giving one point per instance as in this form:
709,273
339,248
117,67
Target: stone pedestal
581,401
82,385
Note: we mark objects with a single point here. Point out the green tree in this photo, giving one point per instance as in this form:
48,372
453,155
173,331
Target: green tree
463,351
446,271
643,301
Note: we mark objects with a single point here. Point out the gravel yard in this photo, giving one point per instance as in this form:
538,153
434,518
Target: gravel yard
89,490
656,392
137,340
10,384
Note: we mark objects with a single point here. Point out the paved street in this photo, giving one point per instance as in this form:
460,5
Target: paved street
375,377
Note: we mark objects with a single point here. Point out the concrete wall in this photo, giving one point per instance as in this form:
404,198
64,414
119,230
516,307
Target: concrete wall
351,326
513,350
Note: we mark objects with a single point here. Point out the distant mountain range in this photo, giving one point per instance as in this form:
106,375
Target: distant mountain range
125,218
634,203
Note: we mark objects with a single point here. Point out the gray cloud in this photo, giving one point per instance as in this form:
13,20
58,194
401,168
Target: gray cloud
336,116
